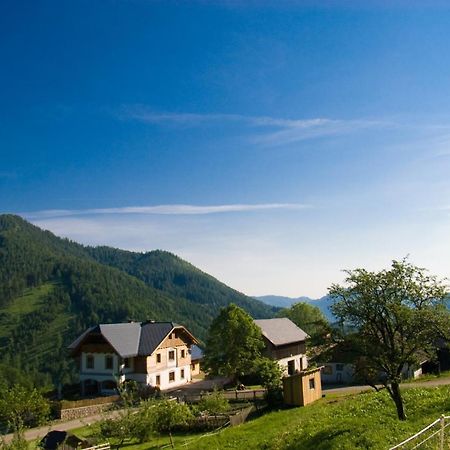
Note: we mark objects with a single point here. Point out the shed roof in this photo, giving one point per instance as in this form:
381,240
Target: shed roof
281,331
133,338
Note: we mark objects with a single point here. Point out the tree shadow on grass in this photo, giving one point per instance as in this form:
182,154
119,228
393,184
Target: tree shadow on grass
323,440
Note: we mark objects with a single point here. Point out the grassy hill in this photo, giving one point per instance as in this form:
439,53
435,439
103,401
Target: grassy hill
358,421
366,420
52,289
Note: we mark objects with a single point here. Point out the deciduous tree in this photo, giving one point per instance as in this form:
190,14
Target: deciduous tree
397,315
234,344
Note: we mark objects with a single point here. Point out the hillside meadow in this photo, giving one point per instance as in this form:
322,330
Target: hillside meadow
361,421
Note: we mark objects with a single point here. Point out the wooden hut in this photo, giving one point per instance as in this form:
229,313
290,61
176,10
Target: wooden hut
302,388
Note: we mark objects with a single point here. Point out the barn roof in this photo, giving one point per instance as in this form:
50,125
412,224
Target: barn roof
281,331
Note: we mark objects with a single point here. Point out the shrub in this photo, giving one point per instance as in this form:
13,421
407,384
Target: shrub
214,403
168,415
20,406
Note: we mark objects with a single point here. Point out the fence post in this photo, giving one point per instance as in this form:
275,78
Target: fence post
442,434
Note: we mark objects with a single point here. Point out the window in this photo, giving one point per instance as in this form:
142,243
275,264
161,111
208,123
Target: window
183,353
311,383
327,370
182,374
158,357
89,361
108,362
158,380
171,376
126,363
171,355
340,367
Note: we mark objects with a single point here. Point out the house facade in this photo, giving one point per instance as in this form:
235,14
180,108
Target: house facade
151,353
337,373
285,343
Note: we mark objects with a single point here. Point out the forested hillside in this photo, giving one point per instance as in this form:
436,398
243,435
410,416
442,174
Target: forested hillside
51,289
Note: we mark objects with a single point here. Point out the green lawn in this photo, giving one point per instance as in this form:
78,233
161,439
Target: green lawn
362,421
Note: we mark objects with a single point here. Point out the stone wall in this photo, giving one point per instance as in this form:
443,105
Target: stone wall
83,411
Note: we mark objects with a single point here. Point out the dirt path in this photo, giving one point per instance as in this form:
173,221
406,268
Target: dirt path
38,433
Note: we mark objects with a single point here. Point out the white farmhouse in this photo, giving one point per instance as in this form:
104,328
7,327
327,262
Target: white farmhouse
151,353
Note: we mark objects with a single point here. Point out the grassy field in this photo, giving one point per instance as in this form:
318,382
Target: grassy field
362,421
27,303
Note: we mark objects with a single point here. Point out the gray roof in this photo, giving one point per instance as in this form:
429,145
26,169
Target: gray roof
281,331
196,353
123,337
131,339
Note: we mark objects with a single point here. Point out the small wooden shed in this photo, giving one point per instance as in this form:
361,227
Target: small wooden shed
303,387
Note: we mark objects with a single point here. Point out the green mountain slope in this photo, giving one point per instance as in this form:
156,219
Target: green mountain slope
51,289
169,273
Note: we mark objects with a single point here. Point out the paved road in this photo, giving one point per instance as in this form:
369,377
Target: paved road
355,389
36,433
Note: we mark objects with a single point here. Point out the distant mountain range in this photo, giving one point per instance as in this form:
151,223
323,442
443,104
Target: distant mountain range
322,303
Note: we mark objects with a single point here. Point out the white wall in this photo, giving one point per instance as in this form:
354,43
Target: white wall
164,377
99,364
300,361
336,376
100,373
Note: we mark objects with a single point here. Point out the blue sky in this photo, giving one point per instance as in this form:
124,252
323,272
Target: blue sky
272,144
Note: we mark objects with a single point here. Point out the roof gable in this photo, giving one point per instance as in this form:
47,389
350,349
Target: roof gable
281,331
152,334
132,339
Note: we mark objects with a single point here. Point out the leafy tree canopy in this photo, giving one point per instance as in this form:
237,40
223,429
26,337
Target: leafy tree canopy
234,343
397,315
20,406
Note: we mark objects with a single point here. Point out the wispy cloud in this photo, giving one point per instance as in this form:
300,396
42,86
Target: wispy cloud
274,130
167,210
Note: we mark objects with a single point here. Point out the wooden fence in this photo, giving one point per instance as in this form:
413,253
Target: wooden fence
247,394
106,446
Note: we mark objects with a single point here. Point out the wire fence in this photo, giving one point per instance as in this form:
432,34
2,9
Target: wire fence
433,436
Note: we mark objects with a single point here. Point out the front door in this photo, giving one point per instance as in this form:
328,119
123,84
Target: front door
291,367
